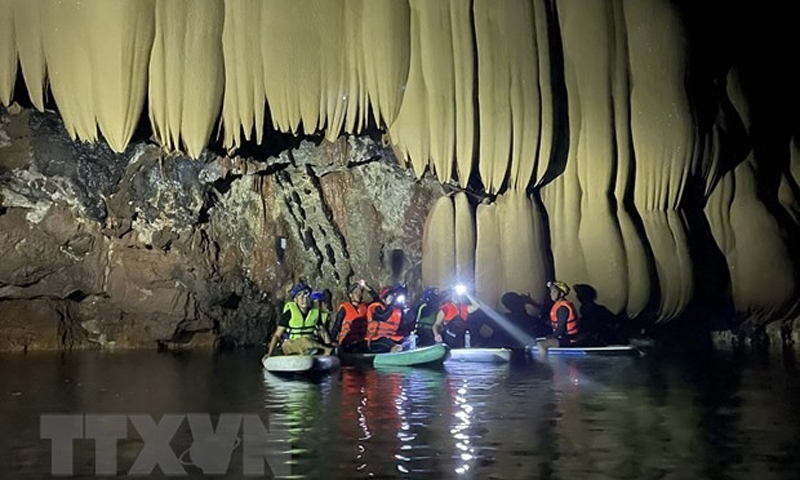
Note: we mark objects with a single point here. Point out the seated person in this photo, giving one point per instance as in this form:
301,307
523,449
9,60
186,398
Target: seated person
452,320
383,321
563,318
426,312
302,323
350,325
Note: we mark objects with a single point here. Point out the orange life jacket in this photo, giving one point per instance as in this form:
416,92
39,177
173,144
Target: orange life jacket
354,323
452,311
572,319
388,328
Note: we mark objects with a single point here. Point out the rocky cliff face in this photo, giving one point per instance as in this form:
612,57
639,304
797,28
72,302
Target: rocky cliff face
140,249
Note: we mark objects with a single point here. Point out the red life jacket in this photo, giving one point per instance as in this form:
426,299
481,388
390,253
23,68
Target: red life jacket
388,328
572,319
452,311
354,324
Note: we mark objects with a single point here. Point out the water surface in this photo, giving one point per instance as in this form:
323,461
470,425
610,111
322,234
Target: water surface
716,416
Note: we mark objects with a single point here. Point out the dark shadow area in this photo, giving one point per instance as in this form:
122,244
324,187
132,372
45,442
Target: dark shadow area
523,314
598,325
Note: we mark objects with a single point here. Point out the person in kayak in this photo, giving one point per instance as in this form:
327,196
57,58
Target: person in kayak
302,322
384,318
426,312
563,318
452,320
350,325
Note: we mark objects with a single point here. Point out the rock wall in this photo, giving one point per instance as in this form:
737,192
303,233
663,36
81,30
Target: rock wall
140,249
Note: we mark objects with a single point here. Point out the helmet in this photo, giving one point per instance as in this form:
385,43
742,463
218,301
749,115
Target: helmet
430,294
561,286
385,292
300,287
318,296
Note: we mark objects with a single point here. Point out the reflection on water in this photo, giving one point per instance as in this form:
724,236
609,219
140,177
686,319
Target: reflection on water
715,417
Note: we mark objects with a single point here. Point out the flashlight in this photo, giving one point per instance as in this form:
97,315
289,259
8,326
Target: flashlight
460,289
401,299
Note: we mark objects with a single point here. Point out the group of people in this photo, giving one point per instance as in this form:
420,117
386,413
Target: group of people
389,323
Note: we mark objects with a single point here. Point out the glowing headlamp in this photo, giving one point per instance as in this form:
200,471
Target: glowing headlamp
460,289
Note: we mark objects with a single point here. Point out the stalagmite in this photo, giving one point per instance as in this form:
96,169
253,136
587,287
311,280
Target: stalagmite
663,134
28,32
425,130
186,73
464,240
508,93
8,52
439,245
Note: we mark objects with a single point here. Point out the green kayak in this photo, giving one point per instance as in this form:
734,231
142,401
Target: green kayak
435,354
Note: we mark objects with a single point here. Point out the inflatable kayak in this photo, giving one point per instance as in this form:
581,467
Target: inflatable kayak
409,358
582,351
300,363
480,355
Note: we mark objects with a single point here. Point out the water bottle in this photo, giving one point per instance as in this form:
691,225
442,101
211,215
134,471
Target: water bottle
466,339
412,341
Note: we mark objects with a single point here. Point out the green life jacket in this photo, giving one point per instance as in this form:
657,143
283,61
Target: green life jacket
298,326
425,323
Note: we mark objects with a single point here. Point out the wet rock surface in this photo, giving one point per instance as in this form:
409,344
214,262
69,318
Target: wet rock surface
146,249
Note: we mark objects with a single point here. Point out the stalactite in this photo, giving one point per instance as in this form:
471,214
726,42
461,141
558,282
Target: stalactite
511,249
433,108
186,73
508,93
763,282
488,267
385,43
663,134
8,52
28,33
120,36
589,47
97,53
245,71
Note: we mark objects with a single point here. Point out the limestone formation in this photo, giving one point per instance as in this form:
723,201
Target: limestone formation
640,148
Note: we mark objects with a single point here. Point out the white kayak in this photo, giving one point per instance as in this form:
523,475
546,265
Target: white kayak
300,363
480,355
581,351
